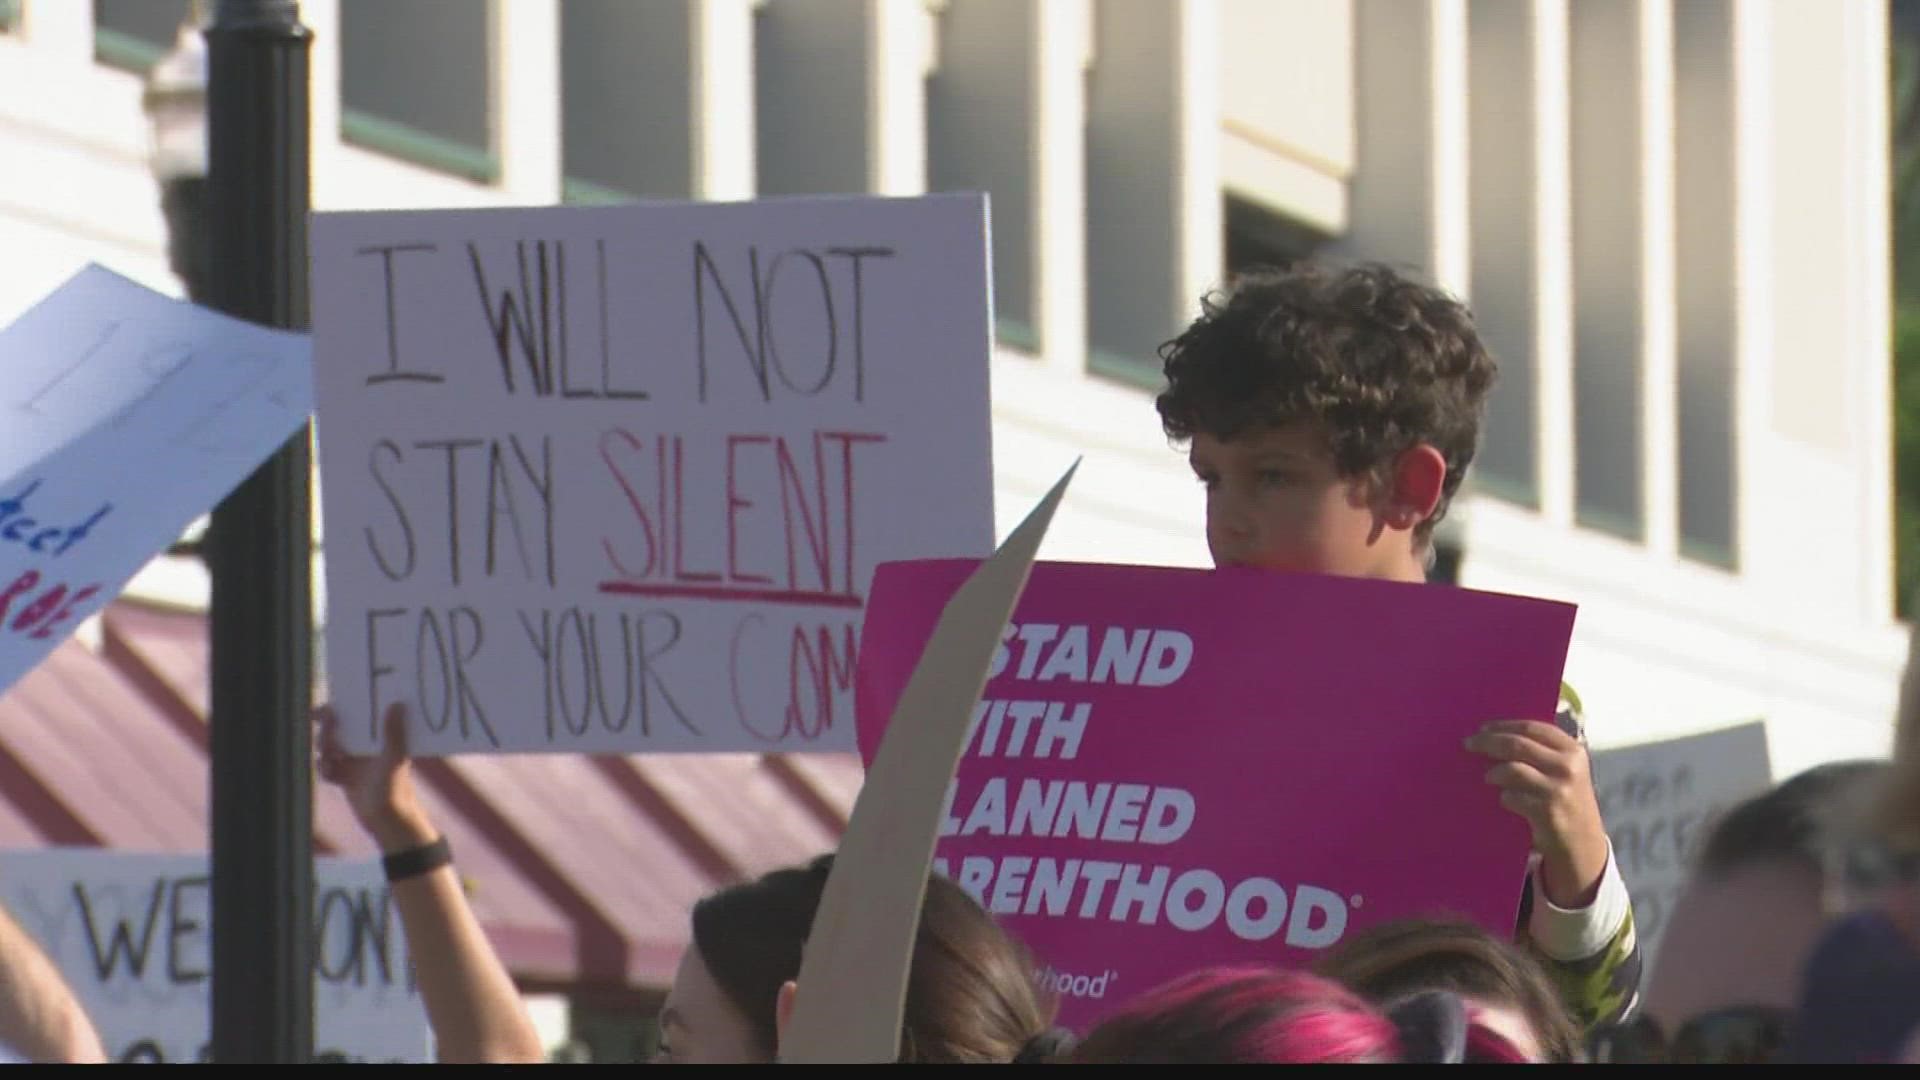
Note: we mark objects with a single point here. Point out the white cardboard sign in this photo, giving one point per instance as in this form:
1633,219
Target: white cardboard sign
127,415
1659,801
132,935
616,478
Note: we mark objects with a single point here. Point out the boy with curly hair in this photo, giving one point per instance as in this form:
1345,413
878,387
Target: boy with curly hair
1331,413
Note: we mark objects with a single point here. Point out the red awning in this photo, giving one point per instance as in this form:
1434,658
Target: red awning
583,868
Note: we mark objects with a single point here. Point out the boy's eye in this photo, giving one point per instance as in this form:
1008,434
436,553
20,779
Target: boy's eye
1275,477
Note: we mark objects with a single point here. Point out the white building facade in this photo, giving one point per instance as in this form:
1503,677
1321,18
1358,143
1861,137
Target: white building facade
1670,216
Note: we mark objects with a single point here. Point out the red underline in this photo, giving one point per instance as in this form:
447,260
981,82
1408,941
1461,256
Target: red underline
730,594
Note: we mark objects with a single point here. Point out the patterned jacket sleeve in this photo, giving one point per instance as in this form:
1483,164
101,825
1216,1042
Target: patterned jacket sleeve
1591,954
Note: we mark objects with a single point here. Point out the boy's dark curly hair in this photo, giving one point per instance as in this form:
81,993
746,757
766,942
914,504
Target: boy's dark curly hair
1376,360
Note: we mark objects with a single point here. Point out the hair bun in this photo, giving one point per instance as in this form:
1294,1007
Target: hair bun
1044,1047
1432,1026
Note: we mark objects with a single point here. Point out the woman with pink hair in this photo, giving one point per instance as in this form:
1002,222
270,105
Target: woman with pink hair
1259,1015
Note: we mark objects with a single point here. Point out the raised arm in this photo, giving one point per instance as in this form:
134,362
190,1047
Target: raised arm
40,1019
476,1012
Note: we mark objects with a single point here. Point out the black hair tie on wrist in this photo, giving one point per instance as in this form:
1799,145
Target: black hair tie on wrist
414,862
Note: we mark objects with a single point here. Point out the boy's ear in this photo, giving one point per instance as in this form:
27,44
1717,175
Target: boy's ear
783,1009
1419,476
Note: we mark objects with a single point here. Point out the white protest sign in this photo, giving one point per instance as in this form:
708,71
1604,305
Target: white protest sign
616,478
131,933
128,414
1659,801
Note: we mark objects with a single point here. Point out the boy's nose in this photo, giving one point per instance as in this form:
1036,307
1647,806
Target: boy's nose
1232,529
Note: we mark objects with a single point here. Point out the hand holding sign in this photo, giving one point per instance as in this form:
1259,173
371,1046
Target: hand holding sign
1545,776
378,788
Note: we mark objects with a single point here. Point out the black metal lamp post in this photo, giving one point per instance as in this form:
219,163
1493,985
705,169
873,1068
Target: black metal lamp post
240,244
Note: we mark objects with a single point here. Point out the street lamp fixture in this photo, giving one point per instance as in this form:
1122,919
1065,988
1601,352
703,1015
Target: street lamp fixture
175,102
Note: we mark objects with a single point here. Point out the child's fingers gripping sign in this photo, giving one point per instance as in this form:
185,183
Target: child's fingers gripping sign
1543,775
1542,748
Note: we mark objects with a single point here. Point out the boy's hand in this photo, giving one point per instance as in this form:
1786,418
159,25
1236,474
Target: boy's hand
1544,776
379,789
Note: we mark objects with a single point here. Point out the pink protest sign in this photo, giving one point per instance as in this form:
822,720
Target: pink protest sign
1176,768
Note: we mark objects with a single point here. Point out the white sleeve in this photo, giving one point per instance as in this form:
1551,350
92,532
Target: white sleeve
1569,934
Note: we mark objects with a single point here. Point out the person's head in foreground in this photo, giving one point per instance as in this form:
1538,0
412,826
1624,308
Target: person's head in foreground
1859,998
971,997
1331,413
1265,1016
1764,884
1506,988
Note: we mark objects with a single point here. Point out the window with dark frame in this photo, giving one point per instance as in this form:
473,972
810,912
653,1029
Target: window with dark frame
1252,236
416,83
128,34
1505,256
1706,246
1257,236
593,167
618,140
1609,356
